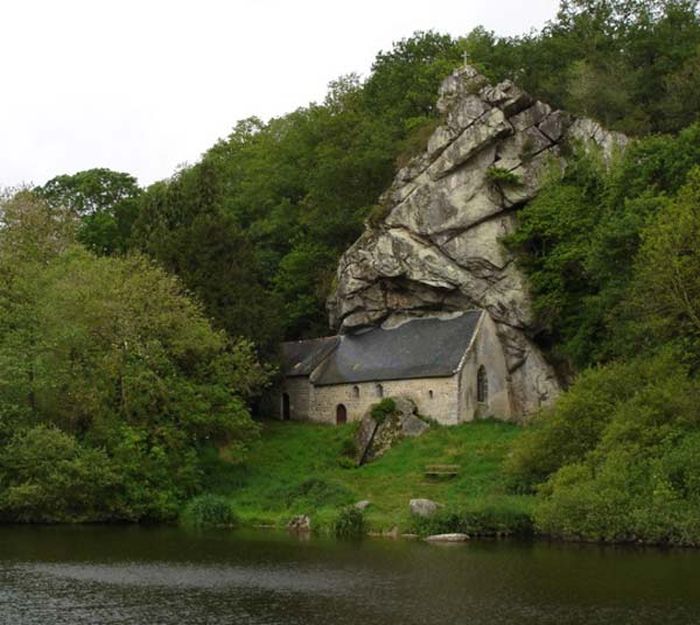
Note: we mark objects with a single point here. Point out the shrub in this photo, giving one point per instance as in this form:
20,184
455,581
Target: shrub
502,177
209,511
491,520
632,496
619,456
567,432
350,523
384,409
378,213
46,475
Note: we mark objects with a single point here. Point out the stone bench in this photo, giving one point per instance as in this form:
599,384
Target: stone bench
441,470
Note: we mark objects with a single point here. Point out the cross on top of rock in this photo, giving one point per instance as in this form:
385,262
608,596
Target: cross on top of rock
466,58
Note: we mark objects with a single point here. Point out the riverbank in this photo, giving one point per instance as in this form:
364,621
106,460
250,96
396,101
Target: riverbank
302,469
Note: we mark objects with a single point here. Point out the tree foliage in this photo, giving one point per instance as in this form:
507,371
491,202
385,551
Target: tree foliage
288,196
112,378
106,202
578,239
256,228
617,458
626,63
665,300
183,226
298,188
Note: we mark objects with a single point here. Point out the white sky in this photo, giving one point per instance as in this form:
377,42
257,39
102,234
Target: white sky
142,86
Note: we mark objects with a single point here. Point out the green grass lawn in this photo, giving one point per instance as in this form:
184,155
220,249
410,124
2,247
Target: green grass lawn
298,468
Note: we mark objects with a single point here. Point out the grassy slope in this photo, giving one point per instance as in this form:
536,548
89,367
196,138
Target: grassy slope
269,489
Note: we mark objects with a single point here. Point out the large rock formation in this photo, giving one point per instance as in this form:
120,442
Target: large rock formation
438,248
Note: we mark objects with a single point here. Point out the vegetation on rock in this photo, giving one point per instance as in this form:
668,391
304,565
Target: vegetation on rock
502,177
383,410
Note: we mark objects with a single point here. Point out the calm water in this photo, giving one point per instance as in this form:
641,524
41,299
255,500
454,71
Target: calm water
51,576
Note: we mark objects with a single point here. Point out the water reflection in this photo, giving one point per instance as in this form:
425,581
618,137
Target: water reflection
56,575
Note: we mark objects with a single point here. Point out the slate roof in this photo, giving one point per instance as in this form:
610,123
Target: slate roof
302,357
419,348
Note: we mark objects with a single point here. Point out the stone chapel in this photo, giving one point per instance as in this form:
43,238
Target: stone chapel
452,366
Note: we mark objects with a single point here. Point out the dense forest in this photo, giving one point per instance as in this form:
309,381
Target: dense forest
126,312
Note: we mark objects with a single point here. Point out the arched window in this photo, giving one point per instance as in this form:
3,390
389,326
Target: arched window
355,391
430,394
380,390
482,385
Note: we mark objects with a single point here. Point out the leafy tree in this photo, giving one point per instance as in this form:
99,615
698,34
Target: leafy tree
47,475
623,62
90,191
106,361
578,239
302,287
404,80
666,287
183,226
681,105
256,228
617,458
106,202
33,232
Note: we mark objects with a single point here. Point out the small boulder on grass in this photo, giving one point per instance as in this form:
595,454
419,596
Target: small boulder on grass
412,426
362,505
423,507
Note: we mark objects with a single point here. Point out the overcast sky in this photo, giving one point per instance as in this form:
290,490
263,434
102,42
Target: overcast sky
145,85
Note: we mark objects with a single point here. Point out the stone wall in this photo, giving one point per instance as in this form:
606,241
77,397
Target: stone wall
436,398
299,390
487,351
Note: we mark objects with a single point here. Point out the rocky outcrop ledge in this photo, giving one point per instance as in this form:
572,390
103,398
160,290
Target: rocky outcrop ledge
438,248
375,436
